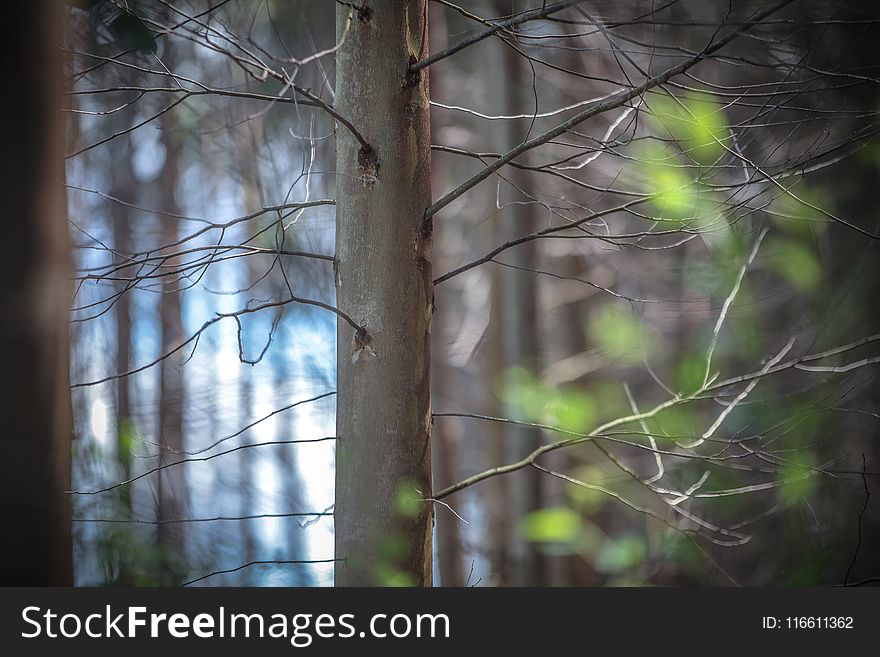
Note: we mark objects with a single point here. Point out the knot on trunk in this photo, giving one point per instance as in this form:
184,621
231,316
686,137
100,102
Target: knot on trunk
368,165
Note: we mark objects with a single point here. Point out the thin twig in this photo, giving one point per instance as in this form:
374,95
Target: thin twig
855,555
259,563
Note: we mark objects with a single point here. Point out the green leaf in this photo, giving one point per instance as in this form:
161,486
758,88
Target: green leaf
675,197
568,409
571,410
697,122
798,479
524,392
551,525
617,333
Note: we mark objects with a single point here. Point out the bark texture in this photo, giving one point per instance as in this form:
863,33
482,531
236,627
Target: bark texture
123,183
383,455
172,493
518,314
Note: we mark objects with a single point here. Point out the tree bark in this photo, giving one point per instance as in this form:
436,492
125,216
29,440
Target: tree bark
383,458
172,492
446,453
246,141
35,295
122,186
518,300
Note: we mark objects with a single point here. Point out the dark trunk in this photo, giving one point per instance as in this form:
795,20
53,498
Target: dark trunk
35,293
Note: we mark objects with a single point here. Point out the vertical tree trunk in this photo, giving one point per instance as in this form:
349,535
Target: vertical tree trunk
446,439
122,186
246,149
247,480
34,305
172,485
293,490
383,457
495,495
518,296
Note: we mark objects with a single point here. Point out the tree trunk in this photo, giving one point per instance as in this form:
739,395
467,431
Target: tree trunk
446,453
172,492
246,141
294,493
35,295
122,186
518,296
383,458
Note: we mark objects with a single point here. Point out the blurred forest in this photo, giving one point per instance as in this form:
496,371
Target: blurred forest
654,347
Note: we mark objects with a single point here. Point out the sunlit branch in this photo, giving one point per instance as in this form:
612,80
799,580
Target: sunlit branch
716,332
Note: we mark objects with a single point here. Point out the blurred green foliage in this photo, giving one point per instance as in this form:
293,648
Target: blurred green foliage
126,553
391,551
618,333
678,424
568,408
621,555
696,122
797,478
130,556
552,525
675,195
392,578
407,501
795,216
393,548
586,500
797,263
690,371
696,126
562,530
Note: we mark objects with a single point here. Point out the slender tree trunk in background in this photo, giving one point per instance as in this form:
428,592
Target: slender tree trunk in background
246,147
246,478
172,485
383,453
570,338
446,453
518,293
35,294
495,495
446,459
293,489
122,186
248,140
